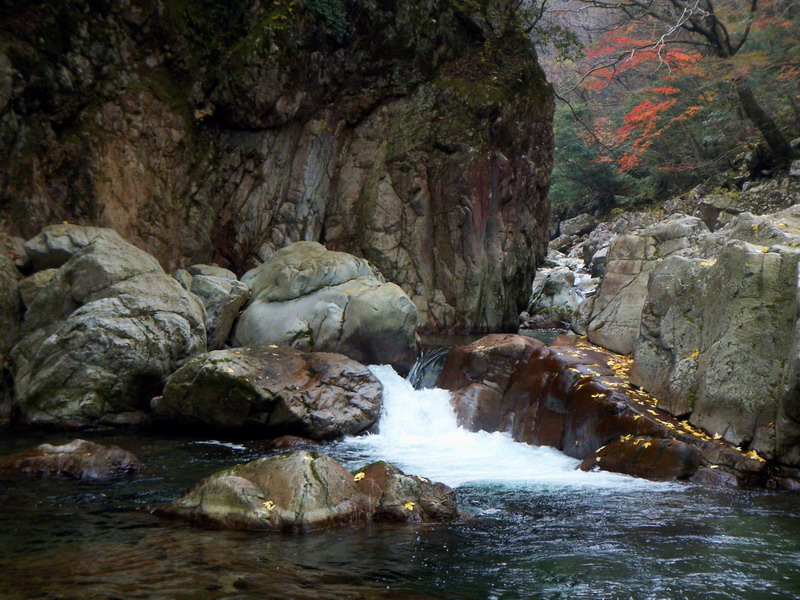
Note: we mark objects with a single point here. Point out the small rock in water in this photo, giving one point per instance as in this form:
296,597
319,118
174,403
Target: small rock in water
307,490
79,459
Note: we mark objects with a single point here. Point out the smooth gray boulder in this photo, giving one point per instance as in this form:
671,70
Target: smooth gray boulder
312,299
100,338
222,295
617,306
554,298
563,243
302,490
273,390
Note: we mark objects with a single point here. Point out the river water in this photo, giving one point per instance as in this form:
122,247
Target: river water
534,527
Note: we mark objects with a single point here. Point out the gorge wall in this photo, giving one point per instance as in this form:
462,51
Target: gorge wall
414,134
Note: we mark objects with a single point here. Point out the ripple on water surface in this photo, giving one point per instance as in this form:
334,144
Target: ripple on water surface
537,529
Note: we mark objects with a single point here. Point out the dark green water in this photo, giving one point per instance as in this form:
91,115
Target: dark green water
65,539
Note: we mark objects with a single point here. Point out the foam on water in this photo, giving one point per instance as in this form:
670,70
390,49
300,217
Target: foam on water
418,432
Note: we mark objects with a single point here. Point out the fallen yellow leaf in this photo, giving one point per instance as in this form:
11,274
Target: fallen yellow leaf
358,477
269,505
409,505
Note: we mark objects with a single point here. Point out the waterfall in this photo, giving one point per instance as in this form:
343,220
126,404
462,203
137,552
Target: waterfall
418,432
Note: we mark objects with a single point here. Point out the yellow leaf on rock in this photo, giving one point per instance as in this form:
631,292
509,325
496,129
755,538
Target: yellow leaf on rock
269,505
358,477
717,436
409,505
646,445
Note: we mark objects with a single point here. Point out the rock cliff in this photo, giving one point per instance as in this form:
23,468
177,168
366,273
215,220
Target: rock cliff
413,134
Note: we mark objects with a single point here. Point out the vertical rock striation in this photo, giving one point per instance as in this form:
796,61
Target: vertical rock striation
412,134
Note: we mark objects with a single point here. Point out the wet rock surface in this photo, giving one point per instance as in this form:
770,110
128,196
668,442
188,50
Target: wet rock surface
579,400
304,490
78,459
272,389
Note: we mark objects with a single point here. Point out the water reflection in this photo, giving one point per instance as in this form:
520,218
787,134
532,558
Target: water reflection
65,539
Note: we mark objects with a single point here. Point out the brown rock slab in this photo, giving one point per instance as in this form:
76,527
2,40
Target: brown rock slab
578,398
78,459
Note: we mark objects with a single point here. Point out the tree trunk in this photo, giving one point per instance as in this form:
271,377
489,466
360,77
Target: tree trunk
775,140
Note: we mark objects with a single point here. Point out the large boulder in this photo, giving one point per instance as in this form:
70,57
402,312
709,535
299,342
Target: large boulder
273,390
99,339
617,307
78,459
304,490
312,299
583,223
578,398
718,342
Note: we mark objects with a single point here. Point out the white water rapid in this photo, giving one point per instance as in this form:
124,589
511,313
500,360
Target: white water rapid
418,432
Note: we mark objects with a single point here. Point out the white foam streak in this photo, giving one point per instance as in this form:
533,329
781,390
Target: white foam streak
418,432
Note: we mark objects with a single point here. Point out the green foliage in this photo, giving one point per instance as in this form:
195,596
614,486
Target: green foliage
667,118
581,180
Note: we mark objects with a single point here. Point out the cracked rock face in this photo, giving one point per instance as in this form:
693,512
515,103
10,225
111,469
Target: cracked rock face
417,139
617,307
312,299
273,389
718,339
306,490
99,338
222,295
